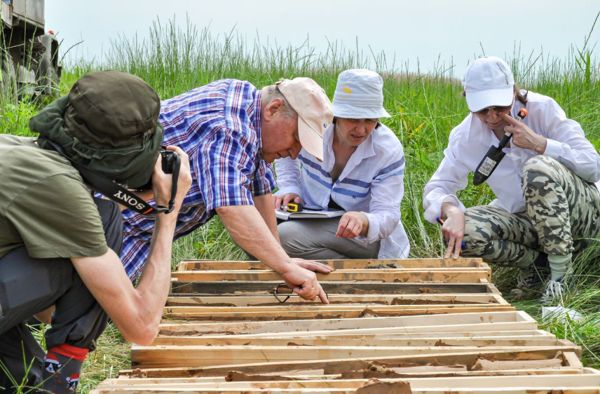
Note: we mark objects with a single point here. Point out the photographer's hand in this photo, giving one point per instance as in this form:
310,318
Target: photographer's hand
161,182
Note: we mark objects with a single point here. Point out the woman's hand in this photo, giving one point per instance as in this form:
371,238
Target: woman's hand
453,229
523,136
282,201
352,224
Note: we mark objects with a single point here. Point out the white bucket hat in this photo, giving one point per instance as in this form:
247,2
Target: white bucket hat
359,95
488,82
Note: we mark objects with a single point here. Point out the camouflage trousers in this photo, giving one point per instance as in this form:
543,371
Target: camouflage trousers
562,213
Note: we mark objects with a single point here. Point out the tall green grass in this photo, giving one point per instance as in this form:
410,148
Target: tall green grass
424,108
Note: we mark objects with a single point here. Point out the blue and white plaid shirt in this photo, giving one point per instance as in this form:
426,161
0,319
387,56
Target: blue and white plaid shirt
218,126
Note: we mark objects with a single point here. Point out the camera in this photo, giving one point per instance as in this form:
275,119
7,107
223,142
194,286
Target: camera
169,161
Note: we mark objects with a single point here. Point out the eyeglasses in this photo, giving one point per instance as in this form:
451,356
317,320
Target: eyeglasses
495,108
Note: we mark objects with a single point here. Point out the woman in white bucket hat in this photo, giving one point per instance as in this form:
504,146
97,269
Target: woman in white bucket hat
546,200
361,173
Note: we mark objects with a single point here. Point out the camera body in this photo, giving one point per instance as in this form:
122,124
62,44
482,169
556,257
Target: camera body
168,161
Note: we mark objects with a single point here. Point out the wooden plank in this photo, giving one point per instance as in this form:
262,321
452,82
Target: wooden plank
571,359
328,367
336,366
468,329
412,275
272,313
383,299
354,323
413,333
545,382
160,389
198,356
189,265
362,340
377,389
429,371
242,288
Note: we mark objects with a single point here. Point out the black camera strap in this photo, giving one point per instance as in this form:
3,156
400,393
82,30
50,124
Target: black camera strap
118,193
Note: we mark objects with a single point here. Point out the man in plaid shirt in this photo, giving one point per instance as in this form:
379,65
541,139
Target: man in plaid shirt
232,132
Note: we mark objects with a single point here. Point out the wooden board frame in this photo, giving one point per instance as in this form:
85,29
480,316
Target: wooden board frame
189,265
439,325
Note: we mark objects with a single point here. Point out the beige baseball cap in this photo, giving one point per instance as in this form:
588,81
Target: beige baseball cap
311,103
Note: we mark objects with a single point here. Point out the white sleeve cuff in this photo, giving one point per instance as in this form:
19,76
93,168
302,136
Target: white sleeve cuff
433,212
287,190
373,232
553,148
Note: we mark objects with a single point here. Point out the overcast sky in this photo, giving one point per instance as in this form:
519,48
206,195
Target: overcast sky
414,31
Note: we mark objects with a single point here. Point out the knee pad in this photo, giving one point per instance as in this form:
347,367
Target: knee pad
50,276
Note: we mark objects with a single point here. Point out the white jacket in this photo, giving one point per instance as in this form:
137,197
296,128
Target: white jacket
371,182
470,141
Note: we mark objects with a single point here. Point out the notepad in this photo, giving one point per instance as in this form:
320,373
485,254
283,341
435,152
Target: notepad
308,214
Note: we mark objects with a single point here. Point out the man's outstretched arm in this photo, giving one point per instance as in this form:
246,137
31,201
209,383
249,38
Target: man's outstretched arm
251,233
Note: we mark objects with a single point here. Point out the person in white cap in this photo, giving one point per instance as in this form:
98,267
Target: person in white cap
231,132
361,173
546,201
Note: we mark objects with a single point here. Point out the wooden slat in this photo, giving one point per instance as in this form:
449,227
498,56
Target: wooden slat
468,329
358,323
337,366
320,312
364,340
453,384
384,299
572,360
189,265
412,275
264,287
197,356
413,333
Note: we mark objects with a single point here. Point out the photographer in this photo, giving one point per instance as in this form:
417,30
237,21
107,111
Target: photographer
59,245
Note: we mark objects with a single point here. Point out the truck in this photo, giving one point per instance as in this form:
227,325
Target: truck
30,63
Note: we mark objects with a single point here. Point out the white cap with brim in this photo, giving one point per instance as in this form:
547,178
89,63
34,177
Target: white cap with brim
311,103
488,82
359,95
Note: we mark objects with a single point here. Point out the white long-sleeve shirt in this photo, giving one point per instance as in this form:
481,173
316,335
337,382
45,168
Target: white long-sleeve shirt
371,182
471,139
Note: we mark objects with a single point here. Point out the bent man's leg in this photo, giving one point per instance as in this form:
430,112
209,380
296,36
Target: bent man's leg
500,237
21,359
315,239
78,319
27,286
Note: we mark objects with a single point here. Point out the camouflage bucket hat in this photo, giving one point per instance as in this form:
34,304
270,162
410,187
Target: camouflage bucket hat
108,123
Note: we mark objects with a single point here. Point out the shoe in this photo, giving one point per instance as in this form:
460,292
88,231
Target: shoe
528,281
555,290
